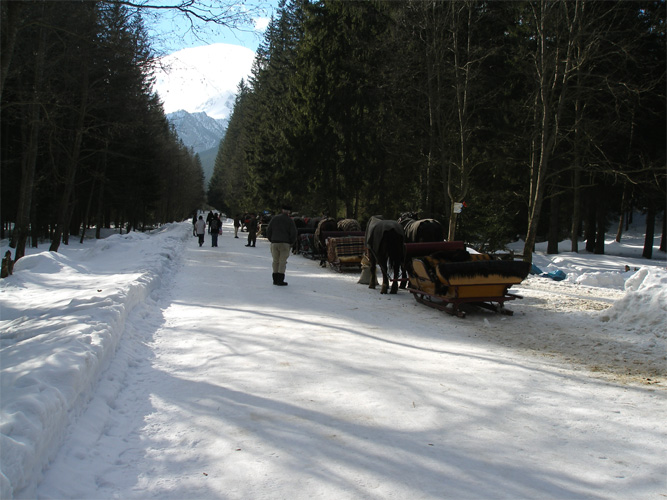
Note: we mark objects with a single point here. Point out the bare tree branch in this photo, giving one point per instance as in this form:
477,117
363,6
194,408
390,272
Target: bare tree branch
230,14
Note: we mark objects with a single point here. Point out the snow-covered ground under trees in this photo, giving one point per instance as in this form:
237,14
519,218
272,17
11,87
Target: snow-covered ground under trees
143,366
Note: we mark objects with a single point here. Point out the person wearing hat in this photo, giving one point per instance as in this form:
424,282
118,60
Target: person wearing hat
282,234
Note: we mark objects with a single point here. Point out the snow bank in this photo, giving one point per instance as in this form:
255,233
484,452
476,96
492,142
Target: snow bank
64,317
602,279
643,309
53,353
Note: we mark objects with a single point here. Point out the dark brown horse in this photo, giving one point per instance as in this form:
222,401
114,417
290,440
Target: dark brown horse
385,240
421,230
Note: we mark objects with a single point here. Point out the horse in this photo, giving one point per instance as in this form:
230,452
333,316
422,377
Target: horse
349,225
385,240
299,222
326,224
313,222
421,230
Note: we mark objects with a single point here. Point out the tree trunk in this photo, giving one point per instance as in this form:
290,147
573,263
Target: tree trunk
86,215
589,234
601,221
35,229
539,172
64,208
99,212
29,160
619,231
10,19
435,138
465,64
99,215
575,226
550,100
576,207
540,154
650,233
554,236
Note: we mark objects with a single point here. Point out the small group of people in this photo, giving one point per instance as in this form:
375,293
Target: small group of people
214,223
281,233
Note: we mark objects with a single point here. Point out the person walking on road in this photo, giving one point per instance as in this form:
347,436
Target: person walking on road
208,220
215,226
252,231
200,228
237,225
194,222
282,234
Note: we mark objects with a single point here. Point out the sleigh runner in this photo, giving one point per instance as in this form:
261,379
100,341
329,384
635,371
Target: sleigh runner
444,276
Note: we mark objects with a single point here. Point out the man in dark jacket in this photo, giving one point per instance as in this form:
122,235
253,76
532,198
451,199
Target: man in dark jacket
214,227
209,217
282,234
252,230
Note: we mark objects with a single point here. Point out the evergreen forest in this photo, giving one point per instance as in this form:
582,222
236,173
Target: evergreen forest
538,120
85,141
541,120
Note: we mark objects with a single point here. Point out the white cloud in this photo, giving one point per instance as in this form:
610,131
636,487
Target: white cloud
194,78
261,23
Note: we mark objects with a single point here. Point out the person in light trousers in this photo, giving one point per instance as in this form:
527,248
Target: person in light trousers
200,229
282,233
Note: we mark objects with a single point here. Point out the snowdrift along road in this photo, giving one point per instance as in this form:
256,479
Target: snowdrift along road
144,366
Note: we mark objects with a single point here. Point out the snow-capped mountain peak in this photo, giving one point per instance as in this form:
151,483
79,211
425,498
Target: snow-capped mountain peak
198,130
198,87
203,78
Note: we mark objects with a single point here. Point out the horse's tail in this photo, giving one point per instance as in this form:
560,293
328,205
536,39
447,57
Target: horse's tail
395,248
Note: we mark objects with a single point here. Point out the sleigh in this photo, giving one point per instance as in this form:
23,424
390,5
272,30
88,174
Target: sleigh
305,243
345,250
445,276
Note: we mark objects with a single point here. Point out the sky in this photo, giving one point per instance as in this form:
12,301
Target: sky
200,69
171,32
144,366
203,79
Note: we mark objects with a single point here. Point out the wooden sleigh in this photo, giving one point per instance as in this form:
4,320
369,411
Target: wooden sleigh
345,249
445,276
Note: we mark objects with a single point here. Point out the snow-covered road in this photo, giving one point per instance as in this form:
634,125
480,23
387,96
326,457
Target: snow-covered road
226,387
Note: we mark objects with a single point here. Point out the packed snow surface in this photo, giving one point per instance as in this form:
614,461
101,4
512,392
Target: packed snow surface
143,366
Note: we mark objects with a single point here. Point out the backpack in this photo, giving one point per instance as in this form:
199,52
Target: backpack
214,224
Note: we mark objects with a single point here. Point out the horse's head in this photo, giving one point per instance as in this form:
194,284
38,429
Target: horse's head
406,217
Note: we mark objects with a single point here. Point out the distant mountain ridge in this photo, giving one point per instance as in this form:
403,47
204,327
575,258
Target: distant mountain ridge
198,88
201,133
198,130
